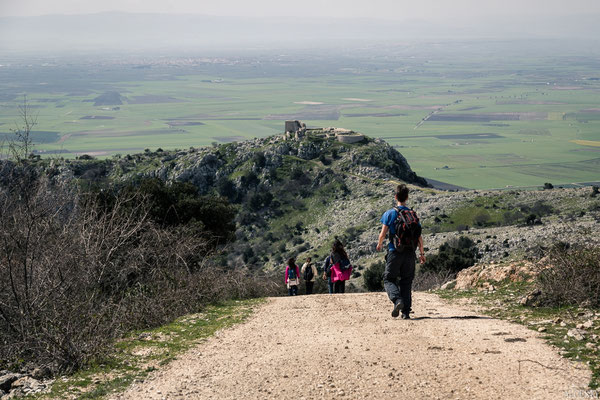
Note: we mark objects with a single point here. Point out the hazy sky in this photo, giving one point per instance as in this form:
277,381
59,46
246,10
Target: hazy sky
388,9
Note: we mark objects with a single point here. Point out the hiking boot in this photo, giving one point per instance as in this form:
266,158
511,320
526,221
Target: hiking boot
405,316
397,307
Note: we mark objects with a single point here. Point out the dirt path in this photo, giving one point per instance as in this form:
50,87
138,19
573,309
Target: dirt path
348,346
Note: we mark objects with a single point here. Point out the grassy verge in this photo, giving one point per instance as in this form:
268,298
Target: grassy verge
142,352
553,323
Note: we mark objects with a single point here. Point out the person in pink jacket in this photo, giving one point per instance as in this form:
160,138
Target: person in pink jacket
340,267
292,277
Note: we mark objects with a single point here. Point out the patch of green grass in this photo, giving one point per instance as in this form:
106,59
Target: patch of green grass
138,354
480,212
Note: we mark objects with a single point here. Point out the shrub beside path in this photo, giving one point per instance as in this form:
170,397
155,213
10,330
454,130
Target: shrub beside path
348,346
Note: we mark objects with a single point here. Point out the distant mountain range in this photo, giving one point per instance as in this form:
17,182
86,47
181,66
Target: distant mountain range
126,31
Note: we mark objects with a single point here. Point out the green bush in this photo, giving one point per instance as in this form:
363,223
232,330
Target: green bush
541,208
373,277
536,211
297,173
249,179
259,159
452,256
259,200
482,218
226,188
179,204
324,159
512,217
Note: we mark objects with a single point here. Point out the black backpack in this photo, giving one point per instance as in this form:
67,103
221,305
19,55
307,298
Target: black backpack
345,264
408,230
308,273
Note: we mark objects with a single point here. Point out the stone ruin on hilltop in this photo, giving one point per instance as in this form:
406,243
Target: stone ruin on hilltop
297,130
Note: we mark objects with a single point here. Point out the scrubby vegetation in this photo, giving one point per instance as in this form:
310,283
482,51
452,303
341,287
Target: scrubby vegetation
178,204
573,278
138,353
82,268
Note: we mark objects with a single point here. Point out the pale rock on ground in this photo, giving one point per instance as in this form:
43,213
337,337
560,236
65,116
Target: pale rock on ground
480,275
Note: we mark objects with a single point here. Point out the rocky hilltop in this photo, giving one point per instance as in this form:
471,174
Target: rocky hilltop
295,192
204,167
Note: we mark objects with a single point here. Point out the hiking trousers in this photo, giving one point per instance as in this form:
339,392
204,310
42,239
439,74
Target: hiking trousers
309,287
398,277
339,287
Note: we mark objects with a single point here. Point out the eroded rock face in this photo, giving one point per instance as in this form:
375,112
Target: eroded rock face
532,299
480,276
202,174
7,379
308,151
15,385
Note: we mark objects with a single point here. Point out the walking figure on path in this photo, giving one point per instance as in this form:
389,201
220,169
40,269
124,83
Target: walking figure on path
402,226
340,267
292,277
309,272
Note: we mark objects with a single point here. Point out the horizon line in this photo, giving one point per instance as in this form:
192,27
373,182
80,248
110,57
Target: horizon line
417,19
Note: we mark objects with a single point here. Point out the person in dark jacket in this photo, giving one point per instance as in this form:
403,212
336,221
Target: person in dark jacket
327,273
309,274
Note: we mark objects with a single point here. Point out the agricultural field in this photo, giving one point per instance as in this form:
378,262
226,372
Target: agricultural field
465,115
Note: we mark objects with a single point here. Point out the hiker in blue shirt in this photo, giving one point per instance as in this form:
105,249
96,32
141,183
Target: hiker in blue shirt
400,258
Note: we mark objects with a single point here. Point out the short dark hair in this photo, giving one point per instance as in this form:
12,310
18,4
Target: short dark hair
402,193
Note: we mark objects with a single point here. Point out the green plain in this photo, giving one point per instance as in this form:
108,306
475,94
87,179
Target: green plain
514,122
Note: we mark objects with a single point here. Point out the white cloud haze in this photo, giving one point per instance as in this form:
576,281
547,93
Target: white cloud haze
388,9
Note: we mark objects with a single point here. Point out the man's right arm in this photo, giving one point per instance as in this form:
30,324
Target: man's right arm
382,236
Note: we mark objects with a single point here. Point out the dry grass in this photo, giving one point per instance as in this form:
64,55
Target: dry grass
573,279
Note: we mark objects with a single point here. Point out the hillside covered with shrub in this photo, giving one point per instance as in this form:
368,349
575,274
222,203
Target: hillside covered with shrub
93,248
